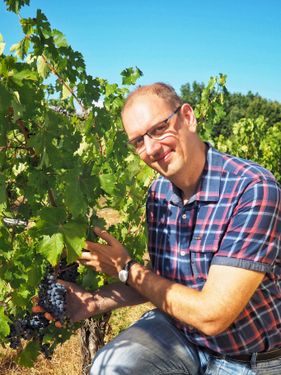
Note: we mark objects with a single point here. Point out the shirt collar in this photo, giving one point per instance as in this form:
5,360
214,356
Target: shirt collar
209,187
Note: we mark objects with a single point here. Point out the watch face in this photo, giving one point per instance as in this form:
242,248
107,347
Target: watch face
123,275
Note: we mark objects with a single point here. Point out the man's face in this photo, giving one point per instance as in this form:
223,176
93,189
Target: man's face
169,155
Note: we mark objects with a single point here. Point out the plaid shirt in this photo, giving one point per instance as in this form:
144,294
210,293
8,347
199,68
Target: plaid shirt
234,219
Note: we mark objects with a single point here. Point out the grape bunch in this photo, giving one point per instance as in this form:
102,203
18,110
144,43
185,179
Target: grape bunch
68,272
52,295
52,298
30,327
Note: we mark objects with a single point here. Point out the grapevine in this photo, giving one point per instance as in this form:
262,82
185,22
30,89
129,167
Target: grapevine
63,157
52,298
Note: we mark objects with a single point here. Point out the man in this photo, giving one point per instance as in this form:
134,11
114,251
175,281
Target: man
214,228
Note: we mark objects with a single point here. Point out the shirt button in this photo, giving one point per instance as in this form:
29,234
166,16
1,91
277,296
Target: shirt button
184,216
182,253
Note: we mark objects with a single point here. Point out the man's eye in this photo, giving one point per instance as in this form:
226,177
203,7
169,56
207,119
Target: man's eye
138,142
159,130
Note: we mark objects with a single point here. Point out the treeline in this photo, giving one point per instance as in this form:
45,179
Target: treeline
246,125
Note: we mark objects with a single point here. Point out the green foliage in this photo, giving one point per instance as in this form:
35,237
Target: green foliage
243,125
16,5
63,157
209,111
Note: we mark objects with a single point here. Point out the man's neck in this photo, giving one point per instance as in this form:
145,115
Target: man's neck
190,184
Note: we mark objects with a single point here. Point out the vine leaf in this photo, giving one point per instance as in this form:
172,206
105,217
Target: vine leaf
74,197
15,5
66,93
28,356
107,181
42,67
51,247
131,75
4,326
2,189
74,239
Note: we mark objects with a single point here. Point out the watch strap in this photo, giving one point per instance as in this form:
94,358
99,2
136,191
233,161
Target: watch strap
127,268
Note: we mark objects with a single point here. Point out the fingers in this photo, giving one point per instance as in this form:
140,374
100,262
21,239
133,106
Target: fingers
87,256
48,316
58,324
102,233
67,284
37,309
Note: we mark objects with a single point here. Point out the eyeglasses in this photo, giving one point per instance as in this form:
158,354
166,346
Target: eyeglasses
157,131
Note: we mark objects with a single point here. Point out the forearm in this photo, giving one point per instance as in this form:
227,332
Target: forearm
210,310
174,299
111,297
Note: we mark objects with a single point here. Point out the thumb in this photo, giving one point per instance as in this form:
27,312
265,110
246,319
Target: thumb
68,285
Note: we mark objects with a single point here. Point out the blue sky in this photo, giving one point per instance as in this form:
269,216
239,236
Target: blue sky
175,41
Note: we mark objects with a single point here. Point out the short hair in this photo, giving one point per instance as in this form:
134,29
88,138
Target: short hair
160,89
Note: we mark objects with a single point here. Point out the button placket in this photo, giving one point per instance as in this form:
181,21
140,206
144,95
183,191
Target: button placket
184,217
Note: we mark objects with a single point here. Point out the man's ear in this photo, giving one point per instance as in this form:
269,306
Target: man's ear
189,116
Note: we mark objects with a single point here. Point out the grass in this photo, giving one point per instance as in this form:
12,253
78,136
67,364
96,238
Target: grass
67,358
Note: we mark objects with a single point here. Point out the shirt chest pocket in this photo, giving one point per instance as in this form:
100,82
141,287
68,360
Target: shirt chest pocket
202,249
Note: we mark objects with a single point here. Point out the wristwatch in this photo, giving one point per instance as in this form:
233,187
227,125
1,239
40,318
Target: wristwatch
124,273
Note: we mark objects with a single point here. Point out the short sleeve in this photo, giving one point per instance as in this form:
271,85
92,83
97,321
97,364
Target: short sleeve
252,239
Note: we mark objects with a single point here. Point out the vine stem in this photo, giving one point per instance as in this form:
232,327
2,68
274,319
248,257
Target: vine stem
56,73
52,198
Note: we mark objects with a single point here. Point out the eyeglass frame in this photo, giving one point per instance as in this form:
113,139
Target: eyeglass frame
152,128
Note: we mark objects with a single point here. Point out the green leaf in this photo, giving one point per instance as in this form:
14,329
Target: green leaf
15,5
74,198
59,38
50,220
2,44
51,247
5,98
20,297
21,48
25,74
34,275
74,238
92,280
110,89
107,181
131,75
42,67
66,93
4,325
2,189
29,355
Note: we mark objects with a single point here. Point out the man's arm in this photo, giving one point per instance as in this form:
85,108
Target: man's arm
82,304
225,294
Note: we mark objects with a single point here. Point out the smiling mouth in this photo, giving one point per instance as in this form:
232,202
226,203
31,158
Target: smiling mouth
164,156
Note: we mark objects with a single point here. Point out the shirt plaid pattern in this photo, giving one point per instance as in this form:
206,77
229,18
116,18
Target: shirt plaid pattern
234,219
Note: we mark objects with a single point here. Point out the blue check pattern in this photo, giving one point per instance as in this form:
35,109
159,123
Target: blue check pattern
234,219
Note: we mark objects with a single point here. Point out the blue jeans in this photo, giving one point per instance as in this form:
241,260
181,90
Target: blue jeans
153,345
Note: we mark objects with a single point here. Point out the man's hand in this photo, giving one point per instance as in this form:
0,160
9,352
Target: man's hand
80,304
108,258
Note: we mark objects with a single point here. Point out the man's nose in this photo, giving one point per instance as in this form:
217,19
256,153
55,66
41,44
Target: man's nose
152,146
